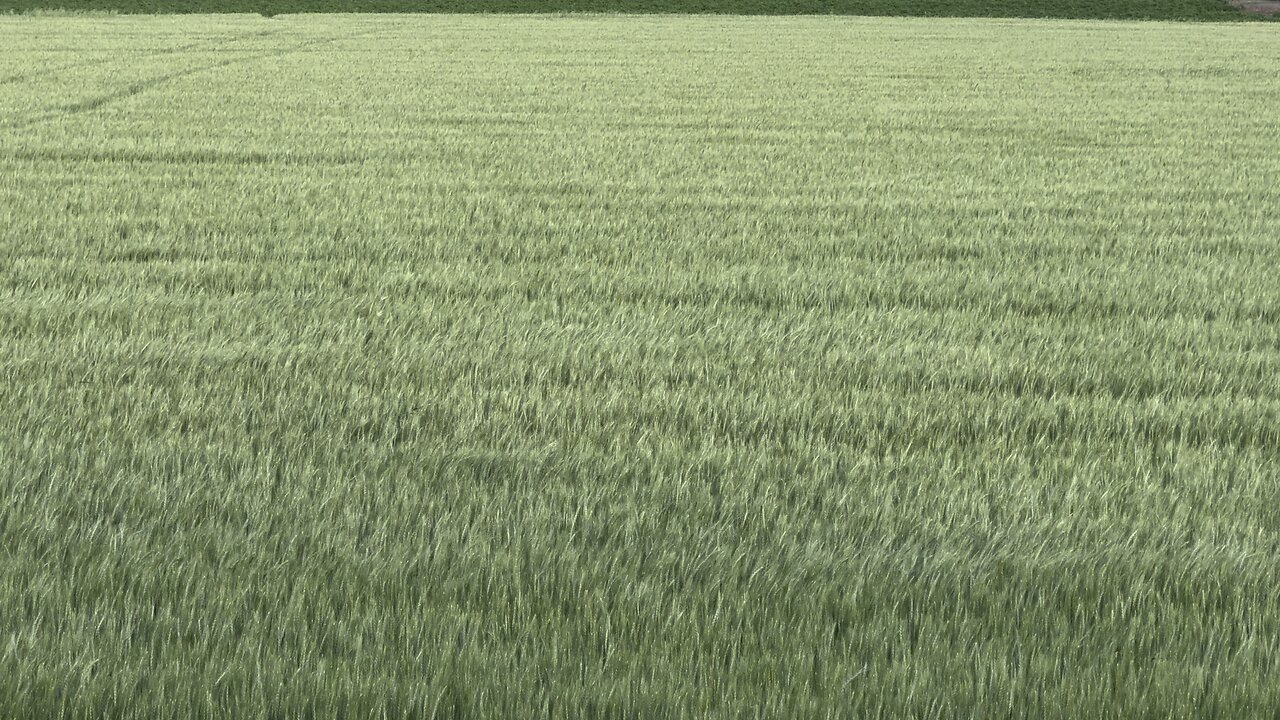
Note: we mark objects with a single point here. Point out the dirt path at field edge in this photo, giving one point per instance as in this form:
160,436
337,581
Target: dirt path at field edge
1266,8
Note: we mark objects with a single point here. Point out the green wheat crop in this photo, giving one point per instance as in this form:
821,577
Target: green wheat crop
1183,10
652,367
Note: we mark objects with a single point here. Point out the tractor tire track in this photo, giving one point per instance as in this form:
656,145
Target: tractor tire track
199,45
137,88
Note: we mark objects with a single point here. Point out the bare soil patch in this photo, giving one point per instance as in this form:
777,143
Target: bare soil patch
1268,8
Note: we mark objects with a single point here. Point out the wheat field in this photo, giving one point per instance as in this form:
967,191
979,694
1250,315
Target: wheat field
649,367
